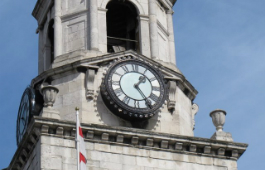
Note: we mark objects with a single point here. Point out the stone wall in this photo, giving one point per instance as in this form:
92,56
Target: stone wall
33,162
60,154
72,93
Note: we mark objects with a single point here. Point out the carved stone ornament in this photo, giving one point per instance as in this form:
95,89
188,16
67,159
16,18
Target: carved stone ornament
195,109
90,77
172,96
49,94
218,117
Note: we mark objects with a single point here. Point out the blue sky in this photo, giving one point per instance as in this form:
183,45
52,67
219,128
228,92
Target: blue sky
220,48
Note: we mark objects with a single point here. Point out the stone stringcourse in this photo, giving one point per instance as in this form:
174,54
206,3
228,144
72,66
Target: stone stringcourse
137,138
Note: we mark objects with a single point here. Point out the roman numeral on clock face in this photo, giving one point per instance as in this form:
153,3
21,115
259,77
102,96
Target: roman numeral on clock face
155,88
126,100
135,68
115,83
136,104
125,68
118,92
153,97
118,74
152,79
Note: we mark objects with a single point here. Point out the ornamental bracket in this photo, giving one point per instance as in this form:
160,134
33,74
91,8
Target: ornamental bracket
172,96
90,78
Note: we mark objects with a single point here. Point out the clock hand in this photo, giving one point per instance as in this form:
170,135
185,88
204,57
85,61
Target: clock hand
23,121
141,80
147,101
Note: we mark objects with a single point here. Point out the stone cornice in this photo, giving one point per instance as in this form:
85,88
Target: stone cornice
40,11
74,15
124,136
168,4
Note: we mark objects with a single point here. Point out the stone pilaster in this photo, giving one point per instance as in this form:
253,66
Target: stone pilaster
57,29
171,41
153,29
93,21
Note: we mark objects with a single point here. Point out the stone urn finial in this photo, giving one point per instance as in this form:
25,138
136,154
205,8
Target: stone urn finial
218,117
49,94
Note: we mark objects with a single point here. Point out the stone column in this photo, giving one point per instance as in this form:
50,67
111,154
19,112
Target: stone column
153,29
57,29
144,36
171,41
93,20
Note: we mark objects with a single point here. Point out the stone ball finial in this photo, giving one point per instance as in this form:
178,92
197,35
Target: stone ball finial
218,118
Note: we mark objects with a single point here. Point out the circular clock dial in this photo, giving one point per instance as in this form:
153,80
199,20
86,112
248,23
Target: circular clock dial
135,88
24,115
30,105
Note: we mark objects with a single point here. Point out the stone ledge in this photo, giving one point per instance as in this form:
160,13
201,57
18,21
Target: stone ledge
121,136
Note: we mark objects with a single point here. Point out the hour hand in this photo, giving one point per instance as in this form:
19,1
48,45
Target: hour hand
142,79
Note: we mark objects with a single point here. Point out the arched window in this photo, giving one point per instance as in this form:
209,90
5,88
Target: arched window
122,26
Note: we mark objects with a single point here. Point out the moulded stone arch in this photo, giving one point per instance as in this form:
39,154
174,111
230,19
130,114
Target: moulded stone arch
137,5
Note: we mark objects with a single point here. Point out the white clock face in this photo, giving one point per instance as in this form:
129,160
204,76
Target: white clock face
136,86
133,89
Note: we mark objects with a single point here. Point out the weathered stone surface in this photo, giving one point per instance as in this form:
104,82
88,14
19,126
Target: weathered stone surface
207,149
105,136
120,138
221,135
164,144
90,134
178,146
150,142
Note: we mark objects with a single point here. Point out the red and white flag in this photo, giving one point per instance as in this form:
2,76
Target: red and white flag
80,145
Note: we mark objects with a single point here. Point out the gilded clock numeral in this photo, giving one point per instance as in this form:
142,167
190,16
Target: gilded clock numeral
115,83
136,104
125,68
153,97
126,100
152,79
155,88
118,92
135,68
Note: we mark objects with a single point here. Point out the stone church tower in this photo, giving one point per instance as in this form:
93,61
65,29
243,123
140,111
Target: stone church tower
115,60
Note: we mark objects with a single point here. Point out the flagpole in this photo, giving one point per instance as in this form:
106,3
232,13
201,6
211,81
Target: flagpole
77,137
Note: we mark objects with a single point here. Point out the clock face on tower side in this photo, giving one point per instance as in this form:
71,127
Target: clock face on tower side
133,90
30,105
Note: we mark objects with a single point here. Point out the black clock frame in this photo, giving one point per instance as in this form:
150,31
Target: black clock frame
118,107
31,104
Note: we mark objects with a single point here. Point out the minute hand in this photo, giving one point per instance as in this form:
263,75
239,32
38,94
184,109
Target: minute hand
148,102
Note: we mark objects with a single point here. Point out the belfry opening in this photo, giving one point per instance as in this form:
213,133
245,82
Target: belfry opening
122,26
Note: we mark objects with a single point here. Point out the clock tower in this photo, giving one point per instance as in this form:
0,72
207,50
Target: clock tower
115,60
